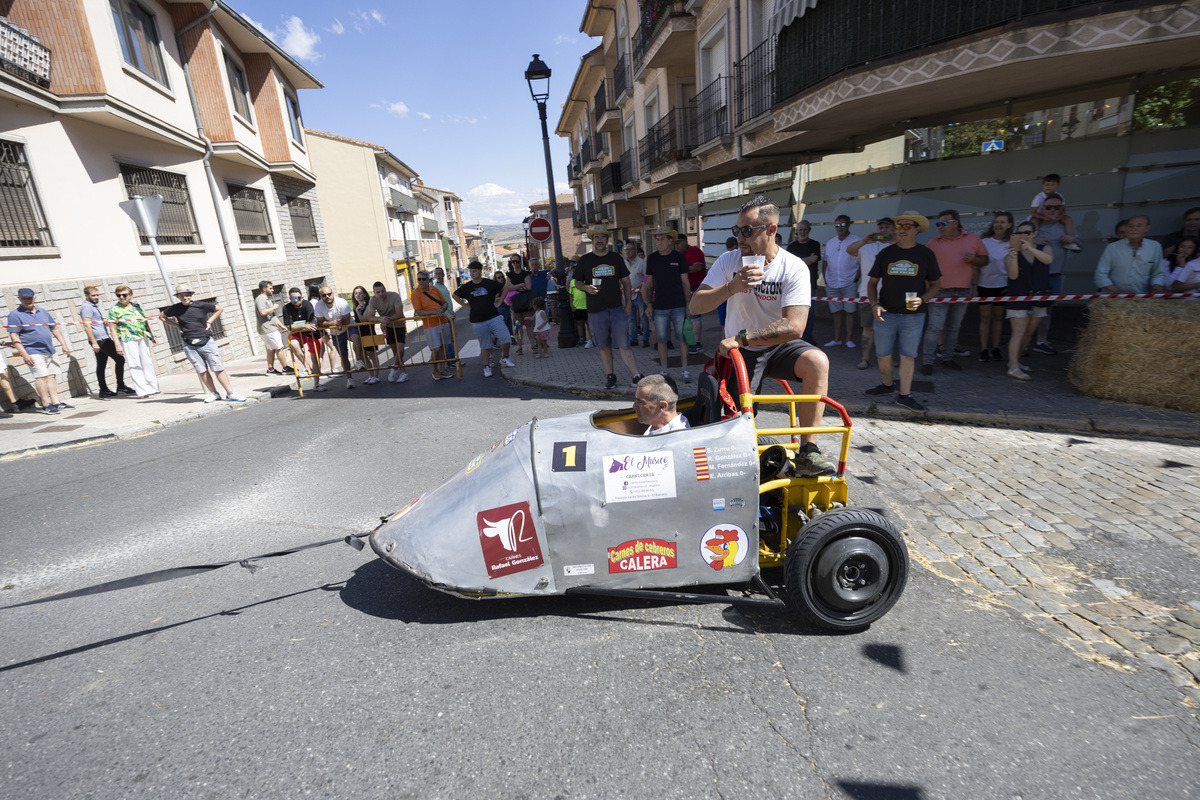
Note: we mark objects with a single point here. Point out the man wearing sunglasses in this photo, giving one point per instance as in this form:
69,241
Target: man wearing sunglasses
194,321
333,314
960,255
767,310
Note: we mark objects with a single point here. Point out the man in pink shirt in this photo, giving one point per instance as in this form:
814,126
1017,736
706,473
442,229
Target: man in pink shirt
959,255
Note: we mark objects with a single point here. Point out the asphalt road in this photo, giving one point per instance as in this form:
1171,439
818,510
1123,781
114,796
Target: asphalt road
328,674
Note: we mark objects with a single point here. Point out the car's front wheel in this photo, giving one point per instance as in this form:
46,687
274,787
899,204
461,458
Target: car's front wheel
845,569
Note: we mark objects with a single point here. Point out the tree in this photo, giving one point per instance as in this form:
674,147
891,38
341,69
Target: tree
1169,105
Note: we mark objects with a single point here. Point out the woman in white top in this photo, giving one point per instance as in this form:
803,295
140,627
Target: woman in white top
993,282
1184,266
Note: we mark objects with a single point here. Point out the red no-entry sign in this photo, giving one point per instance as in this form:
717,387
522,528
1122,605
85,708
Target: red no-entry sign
539,229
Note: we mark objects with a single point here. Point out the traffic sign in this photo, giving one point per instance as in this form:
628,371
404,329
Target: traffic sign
539,229
993,145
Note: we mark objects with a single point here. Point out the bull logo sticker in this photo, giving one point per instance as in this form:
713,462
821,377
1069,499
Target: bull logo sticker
508,539
724,546
641,555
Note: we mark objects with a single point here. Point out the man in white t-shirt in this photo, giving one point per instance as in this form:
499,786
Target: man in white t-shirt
654,403
866,250
841,280
765,316
333,314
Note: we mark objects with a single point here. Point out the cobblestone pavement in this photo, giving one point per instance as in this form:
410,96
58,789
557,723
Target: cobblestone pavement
1095,541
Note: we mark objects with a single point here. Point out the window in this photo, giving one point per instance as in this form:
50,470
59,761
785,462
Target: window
304,228
293,109
176,222
21,221
250,214
176,341
238,88
138,33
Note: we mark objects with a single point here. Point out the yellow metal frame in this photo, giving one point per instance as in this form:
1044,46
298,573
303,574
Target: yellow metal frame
801,496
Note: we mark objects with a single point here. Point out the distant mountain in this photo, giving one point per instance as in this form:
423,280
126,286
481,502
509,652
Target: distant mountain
512,233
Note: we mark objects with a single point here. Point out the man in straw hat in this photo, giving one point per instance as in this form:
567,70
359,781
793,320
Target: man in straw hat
666,292
767,309
194,321
604,278
904,277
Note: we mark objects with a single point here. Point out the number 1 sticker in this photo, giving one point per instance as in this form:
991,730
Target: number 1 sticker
569,457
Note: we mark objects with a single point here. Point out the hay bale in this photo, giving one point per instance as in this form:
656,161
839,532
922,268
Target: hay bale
1141,351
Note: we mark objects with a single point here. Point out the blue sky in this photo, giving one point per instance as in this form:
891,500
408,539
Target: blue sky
441,85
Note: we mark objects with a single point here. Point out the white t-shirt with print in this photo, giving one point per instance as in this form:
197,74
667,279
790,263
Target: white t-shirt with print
334,313
785,283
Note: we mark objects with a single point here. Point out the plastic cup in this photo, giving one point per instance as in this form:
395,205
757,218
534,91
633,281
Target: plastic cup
910,301
596,282
754,266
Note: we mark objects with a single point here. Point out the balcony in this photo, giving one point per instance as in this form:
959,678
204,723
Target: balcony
610,179
601,146
629,167
429,225
585,153
756,82
664,38
712,111
600,102
669,139
574,173
607,119
622,78
23,55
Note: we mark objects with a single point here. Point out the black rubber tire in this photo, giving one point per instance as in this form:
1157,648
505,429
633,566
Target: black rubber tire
845,569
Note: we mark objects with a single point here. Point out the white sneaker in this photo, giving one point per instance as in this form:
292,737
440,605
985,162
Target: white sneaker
403,376
349,383
507,362
832,343
392,376
487,372
211,397
359,365
303,372
687,376
234,397
371,381
588,344
850,344
319,388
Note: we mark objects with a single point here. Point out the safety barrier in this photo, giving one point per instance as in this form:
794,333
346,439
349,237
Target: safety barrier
1035,297
370,349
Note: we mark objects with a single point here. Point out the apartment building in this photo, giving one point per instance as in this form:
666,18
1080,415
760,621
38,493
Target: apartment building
568,230
447,212
104,100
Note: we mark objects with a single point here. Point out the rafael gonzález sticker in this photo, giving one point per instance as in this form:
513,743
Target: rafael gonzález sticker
508,539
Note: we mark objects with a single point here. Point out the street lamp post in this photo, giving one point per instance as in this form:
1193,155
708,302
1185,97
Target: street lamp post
538,78
525,225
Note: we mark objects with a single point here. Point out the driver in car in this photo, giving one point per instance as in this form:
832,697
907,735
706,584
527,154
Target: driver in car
768,305
654,402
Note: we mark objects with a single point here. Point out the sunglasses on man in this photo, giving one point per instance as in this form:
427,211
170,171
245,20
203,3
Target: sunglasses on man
746,231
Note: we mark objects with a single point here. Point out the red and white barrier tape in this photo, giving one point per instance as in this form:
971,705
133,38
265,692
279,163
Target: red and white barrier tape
1031,297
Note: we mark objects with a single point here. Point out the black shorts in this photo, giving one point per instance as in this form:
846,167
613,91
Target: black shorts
779,362
395,334
983,291
580,314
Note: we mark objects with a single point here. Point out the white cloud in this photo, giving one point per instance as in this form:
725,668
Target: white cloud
377,16
561,39
337,27
294,37
492,204
489,190
398,108
423,115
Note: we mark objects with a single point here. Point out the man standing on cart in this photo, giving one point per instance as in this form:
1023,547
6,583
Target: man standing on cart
768,307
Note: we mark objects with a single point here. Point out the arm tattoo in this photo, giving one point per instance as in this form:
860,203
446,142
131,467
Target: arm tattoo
779,329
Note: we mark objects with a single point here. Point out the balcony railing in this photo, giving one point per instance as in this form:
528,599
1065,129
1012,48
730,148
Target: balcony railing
574,170
610,179
756,82
712,110
23,55
622,79
629,166
667,140
600,103
601,144
870,30
585,152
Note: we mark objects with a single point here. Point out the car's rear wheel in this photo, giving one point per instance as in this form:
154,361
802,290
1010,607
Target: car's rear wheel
845,569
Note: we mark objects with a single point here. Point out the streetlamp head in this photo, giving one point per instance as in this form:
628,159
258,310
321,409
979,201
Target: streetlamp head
539,72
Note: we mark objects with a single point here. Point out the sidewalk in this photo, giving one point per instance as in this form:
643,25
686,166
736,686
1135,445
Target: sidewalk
981,394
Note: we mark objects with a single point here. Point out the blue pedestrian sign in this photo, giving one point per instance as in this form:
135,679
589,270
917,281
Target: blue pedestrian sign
993,145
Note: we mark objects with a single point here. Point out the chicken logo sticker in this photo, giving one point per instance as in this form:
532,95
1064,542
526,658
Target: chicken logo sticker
508,539
724,546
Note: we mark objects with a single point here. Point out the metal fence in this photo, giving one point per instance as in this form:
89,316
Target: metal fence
22,223
622,80
629,166
585,151
756,81
712,111
600,103
869,30
667,140
610,178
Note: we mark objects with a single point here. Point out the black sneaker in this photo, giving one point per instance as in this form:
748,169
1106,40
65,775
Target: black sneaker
811,463
908,401
611,381
126,390
634,380
696,349
880,390
273,371
107,393
289,371
997,356
25,404
951,365
985,356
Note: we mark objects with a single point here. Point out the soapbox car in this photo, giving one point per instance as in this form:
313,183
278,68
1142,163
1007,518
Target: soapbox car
585,504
